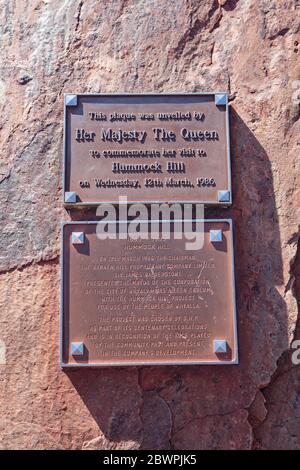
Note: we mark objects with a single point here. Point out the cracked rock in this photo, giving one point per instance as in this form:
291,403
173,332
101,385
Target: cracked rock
247,48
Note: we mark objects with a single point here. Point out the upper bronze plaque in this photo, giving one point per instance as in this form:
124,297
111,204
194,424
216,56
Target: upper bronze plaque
150,148
142,302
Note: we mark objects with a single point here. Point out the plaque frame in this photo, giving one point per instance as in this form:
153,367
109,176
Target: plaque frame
64,365
71,99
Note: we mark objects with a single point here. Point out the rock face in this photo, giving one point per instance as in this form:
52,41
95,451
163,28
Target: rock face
249,48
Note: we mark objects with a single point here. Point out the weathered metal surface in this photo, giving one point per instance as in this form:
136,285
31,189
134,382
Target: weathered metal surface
150,148
134,302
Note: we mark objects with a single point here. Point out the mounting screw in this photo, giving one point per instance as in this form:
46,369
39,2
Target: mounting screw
224,196
70,196
71,100
77,349
220,346
220,99
215,235
77,238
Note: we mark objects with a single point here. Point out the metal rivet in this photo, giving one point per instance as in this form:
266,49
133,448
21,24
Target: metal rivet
224,196
215,235
221,99
77,349
220,346
70,197
77,238
71,100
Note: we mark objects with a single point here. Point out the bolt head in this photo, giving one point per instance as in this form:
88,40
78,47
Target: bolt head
215,235
221,99
71,100
220,346
77,349
224,196
70,197
77,238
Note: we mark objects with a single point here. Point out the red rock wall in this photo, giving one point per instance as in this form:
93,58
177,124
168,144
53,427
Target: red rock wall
249,48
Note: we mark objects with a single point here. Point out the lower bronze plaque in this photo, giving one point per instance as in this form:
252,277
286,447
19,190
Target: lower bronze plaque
147,301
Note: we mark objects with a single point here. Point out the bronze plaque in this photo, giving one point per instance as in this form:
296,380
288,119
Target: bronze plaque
147,302
150,148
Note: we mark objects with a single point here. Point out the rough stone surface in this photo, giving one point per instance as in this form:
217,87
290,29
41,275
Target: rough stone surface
247,47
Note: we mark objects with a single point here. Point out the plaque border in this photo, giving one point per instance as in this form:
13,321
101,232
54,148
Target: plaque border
64,365
79,205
